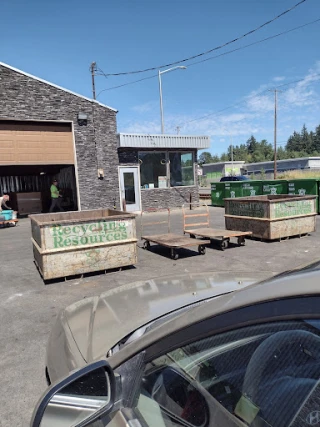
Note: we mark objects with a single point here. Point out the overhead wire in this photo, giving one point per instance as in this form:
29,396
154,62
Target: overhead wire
258,95
214,57
210,50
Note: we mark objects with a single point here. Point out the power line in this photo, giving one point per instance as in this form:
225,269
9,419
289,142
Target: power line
212,57
254,43
210,50
258,95
130,83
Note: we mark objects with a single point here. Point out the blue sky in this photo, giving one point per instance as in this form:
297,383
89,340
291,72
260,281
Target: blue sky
57,41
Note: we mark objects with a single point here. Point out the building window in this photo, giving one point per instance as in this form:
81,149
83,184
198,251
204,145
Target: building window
158,168
181,169
153,169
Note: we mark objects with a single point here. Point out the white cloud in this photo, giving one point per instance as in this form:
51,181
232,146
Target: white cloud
144,108
144,127
279,79
298,103
260,103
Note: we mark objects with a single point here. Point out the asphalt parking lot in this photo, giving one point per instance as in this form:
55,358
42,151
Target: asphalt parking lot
29,307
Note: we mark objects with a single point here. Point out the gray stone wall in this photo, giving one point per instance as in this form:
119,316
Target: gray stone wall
165,197
169,197
24,98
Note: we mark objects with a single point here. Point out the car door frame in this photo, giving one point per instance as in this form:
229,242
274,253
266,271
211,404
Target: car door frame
151,346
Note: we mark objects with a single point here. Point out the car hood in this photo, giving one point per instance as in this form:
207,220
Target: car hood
98,323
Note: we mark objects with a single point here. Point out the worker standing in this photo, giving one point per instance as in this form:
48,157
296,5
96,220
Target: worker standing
3,202
55,197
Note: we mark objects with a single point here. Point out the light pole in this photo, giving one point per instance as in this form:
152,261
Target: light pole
275,131
160,91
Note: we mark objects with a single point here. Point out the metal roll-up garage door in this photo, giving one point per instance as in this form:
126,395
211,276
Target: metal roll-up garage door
35,143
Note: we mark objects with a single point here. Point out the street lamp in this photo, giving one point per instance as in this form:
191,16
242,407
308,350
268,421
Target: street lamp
160,90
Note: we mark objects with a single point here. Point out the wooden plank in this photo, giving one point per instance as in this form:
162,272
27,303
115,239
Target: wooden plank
54,265
171,240
269,219
196,224
212,233
195,215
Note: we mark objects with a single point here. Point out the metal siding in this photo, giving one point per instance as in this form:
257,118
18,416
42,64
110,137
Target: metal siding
163,141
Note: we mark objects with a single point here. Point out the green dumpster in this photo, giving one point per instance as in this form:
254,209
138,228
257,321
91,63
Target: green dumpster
274,187
233,189
304,187
217,194
251,188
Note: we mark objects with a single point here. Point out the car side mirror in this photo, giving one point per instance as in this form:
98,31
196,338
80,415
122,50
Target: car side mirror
78,400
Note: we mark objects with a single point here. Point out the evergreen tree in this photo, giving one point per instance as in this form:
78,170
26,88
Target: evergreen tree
251,144
294,141
205,157
316,139
306,140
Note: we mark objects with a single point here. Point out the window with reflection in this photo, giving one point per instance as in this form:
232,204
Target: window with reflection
153,167
181,169
154,172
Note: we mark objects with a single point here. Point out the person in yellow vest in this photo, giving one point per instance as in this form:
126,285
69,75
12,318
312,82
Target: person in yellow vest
55,197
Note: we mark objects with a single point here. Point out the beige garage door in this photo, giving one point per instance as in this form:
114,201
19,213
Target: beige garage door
31,143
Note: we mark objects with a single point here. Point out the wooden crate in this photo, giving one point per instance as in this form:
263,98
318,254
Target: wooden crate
272,217
72,243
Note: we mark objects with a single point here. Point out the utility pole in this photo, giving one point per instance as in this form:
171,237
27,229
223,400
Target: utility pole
232,152
93,68
178,130
275,131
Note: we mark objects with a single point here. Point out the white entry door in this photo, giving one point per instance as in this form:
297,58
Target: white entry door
130,188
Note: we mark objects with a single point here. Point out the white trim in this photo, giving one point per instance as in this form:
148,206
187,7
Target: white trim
139,185
240,162
76,166
283,161
14,119
56,86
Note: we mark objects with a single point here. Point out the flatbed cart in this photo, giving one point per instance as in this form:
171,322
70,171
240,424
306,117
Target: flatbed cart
222,236
169,240
9,223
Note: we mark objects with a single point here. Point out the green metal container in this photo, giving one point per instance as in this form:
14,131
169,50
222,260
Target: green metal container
233,189
251,188
217,194
274,187
304,187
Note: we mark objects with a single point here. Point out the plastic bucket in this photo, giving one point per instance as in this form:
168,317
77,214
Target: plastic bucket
7,215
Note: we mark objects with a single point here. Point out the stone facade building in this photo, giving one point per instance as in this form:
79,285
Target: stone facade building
47,131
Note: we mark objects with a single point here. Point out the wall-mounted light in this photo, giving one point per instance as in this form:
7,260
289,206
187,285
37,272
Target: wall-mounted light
100,173
82,119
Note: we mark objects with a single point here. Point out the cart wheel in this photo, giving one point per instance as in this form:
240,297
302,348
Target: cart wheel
224,244
241,241
146,245
201,249
192,236
174,254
